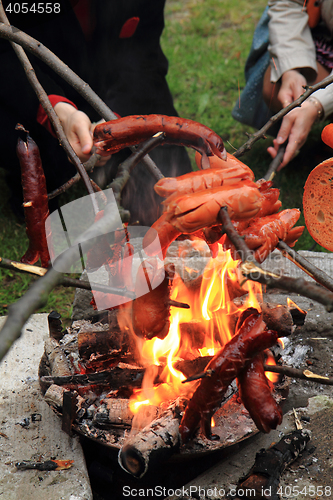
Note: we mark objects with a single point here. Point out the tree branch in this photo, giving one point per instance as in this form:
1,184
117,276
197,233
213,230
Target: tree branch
38,293
281,370
49,58
251,270
317,274
127,166
301,374
88,165
47,106
260,134
65,281
242,249
275,163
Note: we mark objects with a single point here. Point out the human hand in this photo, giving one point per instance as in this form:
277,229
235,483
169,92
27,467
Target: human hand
292,83
79,131
295,128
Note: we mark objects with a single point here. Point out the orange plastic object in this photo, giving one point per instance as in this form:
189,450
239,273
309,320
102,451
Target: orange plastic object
313,10
318,204
327,135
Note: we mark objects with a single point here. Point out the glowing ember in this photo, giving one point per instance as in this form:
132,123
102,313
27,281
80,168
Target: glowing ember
135,405
291,304
272,377
280,341
213,309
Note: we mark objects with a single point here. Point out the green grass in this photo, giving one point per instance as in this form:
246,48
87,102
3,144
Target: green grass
207,43
13,245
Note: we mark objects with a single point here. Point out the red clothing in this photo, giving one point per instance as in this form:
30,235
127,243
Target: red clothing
42,117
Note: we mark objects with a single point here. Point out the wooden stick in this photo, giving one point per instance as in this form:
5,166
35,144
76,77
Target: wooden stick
251,270
188,366
260,134
69,282
275,163
306,266
293,285
127,166
301,374
88,165
49,58
47,106
76,283
114,378
175,303
242,249
38,293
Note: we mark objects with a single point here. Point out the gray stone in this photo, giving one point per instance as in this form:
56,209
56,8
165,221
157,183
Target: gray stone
31,431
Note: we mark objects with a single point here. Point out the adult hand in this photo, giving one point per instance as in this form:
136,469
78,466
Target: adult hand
295,128
292,83
79,131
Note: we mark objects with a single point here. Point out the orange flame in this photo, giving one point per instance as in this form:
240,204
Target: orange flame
212,307
280,341
291,304
272,377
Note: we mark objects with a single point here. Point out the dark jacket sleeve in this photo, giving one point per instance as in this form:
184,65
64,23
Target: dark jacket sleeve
61,33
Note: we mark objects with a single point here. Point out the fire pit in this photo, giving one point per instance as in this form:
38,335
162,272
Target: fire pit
128,393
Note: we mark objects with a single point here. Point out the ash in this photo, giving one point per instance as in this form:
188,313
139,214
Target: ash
294,355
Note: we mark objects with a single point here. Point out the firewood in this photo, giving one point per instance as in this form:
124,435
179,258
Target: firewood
69,411
113,412
59,364
153,444
104,342
55,325
264,477
277,317
118,376
190,367
54,396
116,412
197,330
53,361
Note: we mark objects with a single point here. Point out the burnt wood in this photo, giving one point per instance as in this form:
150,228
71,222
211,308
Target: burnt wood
153,444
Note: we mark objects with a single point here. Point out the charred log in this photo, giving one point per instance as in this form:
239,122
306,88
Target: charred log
113,412
116,377
277,317
55,325
153,444
298,316
69,411
111,342
264,477
190,367
53,361
116,412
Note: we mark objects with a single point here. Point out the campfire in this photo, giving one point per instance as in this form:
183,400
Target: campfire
187,367
131,392
178,366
